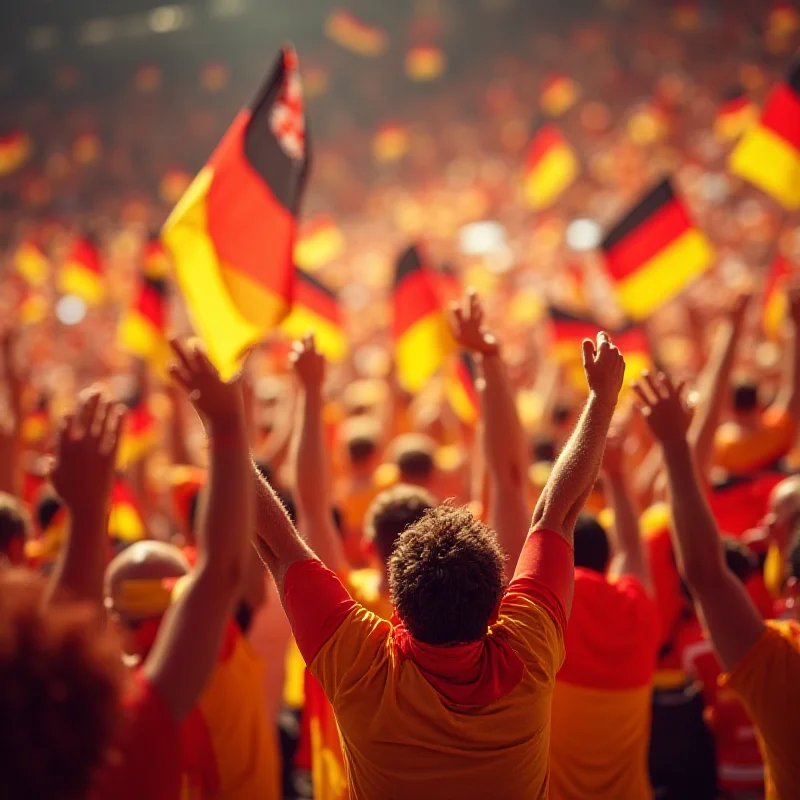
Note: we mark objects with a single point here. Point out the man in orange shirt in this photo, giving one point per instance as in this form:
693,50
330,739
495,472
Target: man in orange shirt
601,702
453,700
762,659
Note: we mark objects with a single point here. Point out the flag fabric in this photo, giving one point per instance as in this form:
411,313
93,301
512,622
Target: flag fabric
82,272
142,329
462,393
125,520
421,332
139,433
558,94
316,310
32,307
425,63
31,264
15,149
783,19
632,343
232,234
768,155
567,332
551,166
775,301
390,143
320,241
355,35
155,259
654,252
735,115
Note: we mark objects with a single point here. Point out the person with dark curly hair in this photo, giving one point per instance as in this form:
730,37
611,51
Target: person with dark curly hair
453,698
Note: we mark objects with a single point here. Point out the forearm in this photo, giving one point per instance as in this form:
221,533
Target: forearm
503,439
789,393
629,558
576,470
312,482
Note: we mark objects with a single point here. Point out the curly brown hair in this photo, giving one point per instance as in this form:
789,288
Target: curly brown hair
446,576
391,512
61,677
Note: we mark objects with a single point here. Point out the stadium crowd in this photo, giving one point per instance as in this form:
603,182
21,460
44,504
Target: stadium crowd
569,571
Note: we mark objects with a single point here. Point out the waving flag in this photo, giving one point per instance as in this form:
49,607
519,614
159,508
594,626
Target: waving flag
567,332
320,241
15,149
232,234
142,329
421,333
461,391
82,273
551,167
769,154
139,433
735,115
633,344
125,520
31,263
776,303
654,252
316,310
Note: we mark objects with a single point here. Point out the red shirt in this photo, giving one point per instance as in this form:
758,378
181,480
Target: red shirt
147,759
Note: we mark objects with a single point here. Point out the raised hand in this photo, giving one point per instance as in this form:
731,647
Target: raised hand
86,452
467,325
214,400
662,405
308,363
604,367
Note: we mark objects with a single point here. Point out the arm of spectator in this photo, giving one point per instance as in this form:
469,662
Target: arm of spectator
629,556
575,472
788,399
10,469
310,467
83,475
502,436
178,430
728,613
187,647
715,384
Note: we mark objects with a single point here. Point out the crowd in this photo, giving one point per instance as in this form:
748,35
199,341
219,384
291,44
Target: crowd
318,585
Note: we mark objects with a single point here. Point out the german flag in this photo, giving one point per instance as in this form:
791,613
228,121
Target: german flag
567,332
686,16
155,259
142,329
390,143
232,234
139,433
783,19
355,35
425,63
632,343
775,302
125,520
421,332
735,115
31,264
15,149
558,94
654,252
320,241
461,392
316,310
769,154
82,273
550,168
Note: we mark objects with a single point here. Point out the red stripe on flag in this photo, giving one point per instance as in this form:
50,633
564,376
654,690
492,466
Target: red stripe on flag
321,303
150,305
545,139
782,115
414,299
647,240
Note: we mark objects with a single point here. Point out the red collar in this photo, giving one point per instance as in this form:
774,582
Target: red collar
471,674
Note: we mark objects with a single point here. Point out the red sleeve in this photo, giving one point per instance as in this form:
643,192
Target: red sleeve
147,759
316,604
546,573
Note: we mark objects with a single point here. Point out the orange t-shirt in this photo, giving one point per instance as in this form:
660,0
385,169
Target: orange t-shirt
601,703
740,451
739,763
149,750
466,721
767,681
228,747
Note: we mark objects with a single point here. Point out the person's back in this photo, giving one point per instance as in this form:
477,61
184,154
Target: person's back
602,698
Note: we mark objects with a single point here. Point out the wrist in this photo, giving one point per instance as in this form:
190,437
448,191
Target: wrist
676,447
603,403
226,426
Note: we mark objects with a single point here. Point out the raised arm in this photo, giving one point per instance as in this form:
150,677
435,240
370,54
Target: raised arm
629,556
502,435
729,615
575,472
189,639
83,475
310,467
714,385
788,399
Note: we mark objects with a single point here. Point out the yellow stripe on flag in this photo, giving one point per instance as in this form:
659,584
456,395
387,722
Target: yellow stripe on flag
139,338
422,350
770,163
216,319
330,338
548,179
84,283
664,275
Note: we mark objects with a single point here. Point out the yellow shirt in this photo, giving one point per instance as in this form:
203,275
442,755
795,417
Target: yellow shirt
767,681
